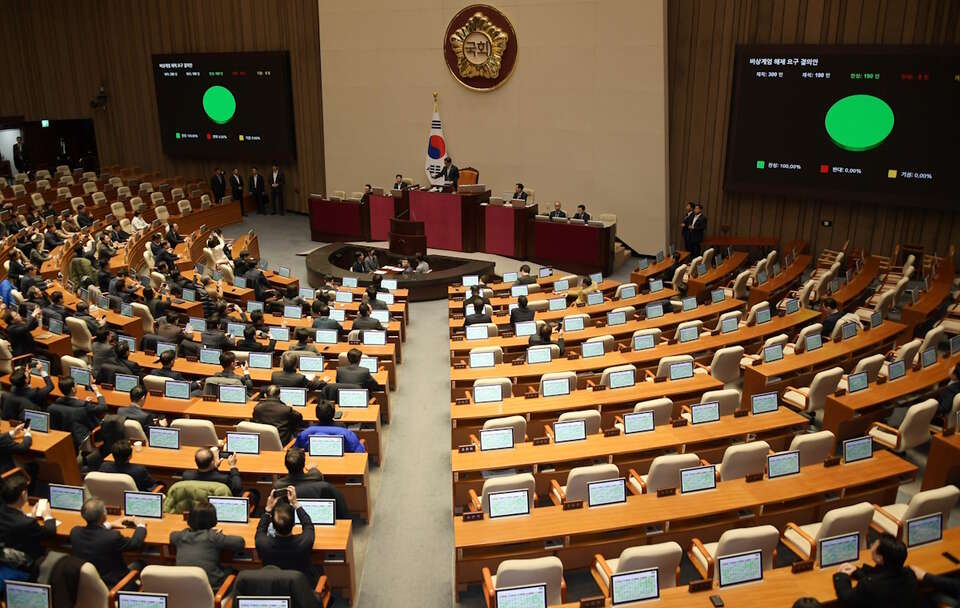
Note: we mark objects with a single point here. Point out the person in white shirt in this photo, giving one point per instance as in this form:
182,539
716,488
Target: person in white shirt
138,222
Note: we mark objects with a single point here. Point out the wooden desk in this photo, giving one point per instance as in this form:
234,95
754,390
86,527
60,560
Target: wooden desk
929,301
580,534
57,456
338,220
546,284
851,415
554,461
763,242
541,411
943,462
332,545
775,286
573,245
698,285
799,369
640,277
851,293
501,303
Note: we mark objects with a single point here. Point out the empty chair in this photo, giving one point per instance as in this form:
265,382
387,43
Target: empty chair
708,256
813,398
156,198
678,275
176,194
89,187
41,174
591,419
752,313
664,473
79,335
871,365
136,203
118,210
154,384
269,435
803,540
608,341
185,586
739,540
585,317
847,319
728,400
109,487
733,314
520,481
653,331
663,366
522,572
697,323
933,338
662,409
146,187
606,374
693,266
744,459
99,198
577,480
184,206
19,190
807,295
570,376
88,175
75,202
505,384
116,182
800,344
197,433
162,213
913,431
628,311
517,423
148,260
814,448
621,287
63,192
67,180
133,431
496,350
665,557
142,312
91,590
37,199
892,518
883,305
906,353
725,365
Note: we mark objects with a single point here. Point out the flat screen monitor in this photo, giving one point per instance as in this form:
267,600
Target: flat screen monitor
524,328
849,330
643,264
761,277
654,311
572,323
280,334
326,445
896,370
597,278
928,357
292,396
260,360
644,341
126,309
490,393
593,298
955,345
370,363
763,403
326,336
717,296
783,463
482,359
763,316
698,479
167,438
539,354
322,511
509,277
232,393
67,498
349,281
701,413
390,284
254,306
681,371
469,280
309,363
638,422
381,315
876,319
622,378
561,285
616,317
80,376
197,324
262,264
292,312
857,382
555,387
104,302
39,421
636,586
701,269
243,443
924,529
32,595
306,293
476,332
656,285
386,298
839,549
689,303
729,324
283,271
353,397
569,430
688,334
557,303
630,291
176,389
338,314
496,439
591,349
210,356
509,503
264,601
740,568
608,492
130,341
519,290
240,282
343,296
125,383
545,272
143,504
857,449
230,510
136,599
812,342
772,353
55,326
793,305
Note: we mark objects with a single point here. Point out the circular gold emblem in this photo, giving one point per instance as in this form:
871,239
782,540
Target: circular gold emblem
480,47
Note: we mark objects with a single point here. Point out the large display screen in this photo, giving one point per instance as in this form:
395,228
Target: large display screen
851,123
226,105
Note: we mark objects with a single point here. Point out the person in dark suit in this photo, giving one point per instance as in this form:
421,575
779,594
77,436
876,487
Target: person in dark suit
23,395
173,235
10,447
214,337
103,545
276,413
167,359
478,315
309,484
352,373
135,410
364,320
250,343
371,300
290,377
21,531
284,549
582,214
236,185
698,227
524,277
450,174
888,583
121,464
74,415
257,188
557,211
19,331
685,226
543,337
202,544
948,393
829,308
947,587
398,183
218,184
321,317
277,181
522,312
20,156
519,194
207,470
104,351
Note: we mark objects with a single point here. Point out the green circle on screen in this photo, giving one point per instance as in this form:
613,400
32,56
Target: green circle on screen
859,122
219,104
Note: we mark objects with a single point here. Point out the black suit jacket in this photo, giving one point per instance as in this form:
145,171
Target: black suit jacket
219,186
288,552
20,338
9,447
697,228
877,586
141,476
354,374
366,323
280,180
22,532
256,186
476,318
236,187
145,418
276,413
217,339
76,416
518,315
830,322
520,197
327,323
451,174
104,549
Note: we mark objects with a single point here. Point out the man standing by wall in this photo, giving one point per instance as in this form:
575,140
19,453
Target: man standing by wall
276,190
257,188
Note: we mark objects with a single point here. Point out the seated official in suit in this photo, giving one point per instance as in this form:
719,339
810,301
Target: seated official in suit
22,396
202,543
398,183
276,413
524,277
543,337
208,470
946,395
251,344
450,174
557,211
888,583
167,359
421,266
352,373
321,317
309,484
284,549
364,320
102,544
291,377
519,194
76,416
303,344
10,447
122,452
586,288
478,315
326,426
476,293
522,312
135,410
370,298
228,363
20,531
582,214
831,314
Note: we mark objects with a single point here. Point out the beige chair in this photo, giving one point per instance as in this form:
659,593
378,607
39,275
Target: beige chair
606,373
800,344
205,201
148,261
752,313
37,199
591,419
154,383
19,190
738,540
196,433
739,288
621,287
892,518
6,357
697,323
871,365
496,350
744,459
802,540
142,312
118,210
63,192
807,295
814,448
269,435
67,180
156,280
914,431
665,557
812,399
728,400
505,383
176,194
664,473
41,174
662,409
91,591
62,169
133,431
67,363
733,314
146,187
933,338
185,586
520,481
653,331
521,572
677,282
570,376
693,266
89,187
184,206
848,318
136,204
585,317
577,480
109,487
883,305
162,214
116,182
88,175
608,341
75,202
663,366
906,353
725,366
156,198
517,423
99,198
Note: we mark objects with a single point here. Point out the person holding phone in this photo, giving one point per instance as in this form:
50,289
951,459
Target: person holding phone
207,469
283,548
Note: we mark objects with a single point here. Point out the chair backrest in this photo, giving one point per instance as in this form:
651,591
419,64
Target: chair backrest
725,365
6,357
37,199
656,332
75,202
89,187
579,477
496,350
116,182
520,572
908,352
741,540
162,213
733,314
609,343
662,409
99,198
744,459
752,313
728,398
176,194
136,203
517,423
871,365
678,275
806,293
156,198
146,187
933,338
570,376
146,317
156,279
118,209
663,367
591,419
810,330
205,201
844,520
520,481
623,286
269,435
133,431
665,471
605,374
68,362
196,433
148,259
813,447
843,320
184,206
771,258
63,192
505,384
109,487
663,556
939,500
185,586
154,383
823,384
91,591
123,193
693,265
915,428
687,324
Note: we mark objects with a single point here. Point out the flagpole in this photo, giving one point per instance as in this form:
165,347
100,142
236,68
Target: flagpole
436,106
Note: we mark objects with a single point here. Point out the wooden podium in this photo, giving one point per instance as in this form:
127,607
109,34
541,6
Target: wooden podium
407,237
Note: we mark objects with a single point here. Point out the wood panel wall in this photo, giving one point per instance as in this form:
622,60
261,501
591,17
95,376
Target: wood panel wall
54,54
701,39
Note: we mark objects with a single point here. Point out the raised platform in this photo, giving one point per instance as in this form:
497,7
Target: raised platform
335,259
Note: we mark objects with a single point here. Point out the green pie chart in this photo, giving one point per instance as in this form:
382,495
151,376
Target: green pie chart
859,122
219,104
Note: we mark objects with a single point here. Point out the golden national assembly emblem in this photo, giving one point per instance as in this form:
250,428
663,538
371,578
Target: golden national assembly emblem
480,47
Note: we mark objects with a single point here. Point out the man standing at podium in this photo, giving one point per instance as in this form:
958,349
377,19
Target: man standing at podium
519,194
450,175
